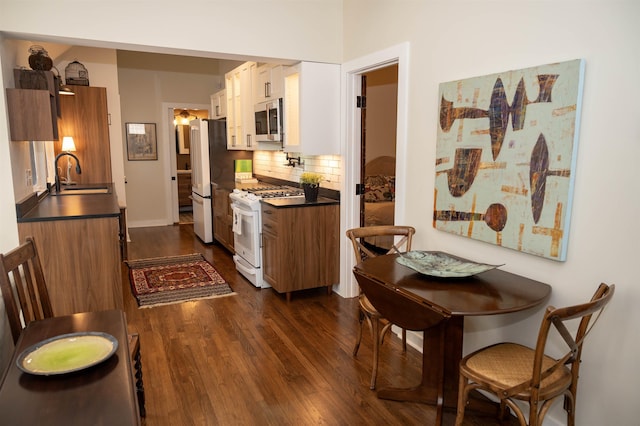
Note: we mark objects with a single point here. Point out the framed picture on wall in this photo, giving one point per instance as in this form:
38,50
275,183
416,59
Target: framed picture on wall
142,144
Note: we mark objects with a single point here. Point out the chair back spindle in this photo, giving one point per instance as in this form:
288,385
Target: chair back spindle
362,250
23,287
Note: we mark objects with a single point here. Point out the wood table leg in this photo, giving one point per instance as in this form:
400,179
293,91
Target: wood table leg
441,354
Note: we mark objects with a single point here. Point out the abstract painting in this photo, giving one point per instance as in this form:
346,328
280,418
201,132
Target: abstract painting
506,157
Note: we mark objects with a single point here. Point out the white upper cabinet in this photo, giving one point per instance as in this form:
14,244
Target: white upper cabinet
219,104
268,82
312,108
240,123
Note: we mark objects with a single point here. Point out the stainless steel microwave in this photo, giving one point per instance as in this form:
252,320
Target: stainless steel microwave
268,116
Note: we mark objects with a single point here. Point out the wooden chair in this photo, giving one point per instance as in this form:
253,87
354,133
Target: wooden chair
26,299
29,298
515,372
367,312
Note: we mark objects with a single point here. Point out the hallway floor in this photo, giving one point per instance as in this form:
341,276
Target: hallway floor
186,217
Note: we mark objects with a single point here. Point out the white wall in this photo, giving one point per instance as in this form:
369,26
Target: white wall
12,55
459,39
146,82
299,30
9,228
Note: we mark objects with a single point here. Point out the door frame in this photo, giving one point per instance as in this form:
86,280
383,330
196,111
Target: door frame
351,87
171,169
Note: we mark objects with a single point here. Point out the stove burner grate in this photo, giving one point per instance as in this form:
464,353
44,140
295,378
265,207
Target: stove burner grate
277,191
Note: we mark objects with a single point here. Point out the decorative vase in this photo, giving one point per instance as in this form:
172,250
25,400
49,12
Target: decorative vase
311,192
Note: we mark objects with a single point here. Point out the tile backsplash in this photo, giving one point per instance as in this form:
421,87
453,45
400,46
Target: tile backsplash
274,164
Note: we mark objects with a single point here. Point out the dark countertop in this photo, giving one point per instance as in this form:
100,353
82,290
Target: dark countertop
298,202
70,207
327,196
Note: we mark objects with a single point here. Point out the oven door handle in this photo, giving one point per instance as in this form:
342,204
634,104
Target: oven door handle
243,212
241,267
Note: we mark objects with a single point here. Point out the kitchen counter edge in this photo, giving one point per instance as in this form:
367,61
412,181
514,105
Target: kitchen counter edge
298,202
68,207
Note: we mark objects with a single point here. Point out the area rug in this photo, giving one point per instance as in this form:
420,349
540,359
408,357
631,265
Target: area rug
175,279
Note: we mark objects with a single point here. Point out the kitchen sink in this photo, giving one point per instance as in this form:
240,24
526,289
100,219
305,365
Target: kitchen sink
84,190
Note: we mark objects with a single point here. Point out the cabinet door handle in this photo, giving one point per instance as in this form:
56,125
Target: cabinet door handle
248,140
217,110
267,90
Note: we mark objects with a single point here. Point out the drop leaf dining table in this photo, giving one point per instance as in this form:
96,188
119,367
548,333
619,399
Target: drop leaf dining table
437,306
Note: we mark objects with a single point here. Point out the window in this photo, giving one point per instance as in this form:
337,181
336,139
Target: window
42,160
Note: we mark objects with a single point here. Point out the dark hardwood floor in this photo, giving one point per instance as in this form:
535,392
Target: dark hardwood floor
254,359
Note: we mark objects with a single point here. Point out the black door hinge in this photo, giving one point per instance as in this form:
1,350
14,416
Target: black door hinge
359,188
361,101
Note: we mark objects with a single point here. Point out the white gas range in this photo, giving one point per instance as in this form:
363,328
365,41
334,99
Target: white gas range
247,227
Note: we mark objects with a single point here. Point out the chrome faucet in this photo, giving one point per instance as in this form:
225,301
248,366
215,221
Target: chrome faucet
78,169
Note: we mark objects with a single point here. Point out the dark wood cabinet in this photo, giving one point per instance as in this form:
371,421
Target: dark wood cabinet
222,218
86,275
85,117
300,247
33,106
30,115
184,189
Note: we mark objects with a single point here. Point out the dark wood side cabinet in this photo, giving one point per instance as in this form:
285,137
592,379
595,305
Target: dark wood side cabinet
29,115
222,218
184,189
86,274
300,247
85,117
33,106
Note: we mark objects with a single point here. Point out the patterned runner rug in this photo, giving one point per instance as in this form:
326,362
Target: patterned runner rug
175,279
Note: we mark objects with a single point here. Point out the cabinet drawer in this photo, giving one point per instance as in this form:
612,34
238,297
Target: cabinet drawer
270,218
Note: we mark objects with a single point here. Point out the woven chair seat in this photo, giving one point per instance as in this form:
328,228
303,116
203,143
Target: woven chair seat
506,365
512,371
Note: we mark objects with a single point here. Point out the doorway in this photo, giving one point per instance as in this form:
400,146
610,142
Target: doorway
379,102
178,154
351,149
181,119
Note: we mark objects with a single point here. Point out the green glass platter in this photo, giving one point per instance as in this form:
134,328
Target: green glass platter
67,353
438,264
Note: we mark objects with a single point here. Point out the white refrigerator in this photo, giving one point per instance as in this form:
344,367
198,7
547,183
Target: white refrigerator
200,180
